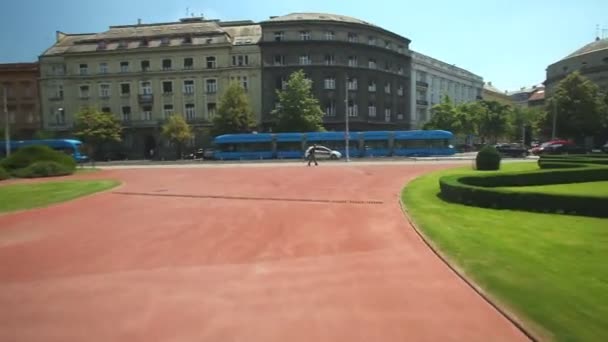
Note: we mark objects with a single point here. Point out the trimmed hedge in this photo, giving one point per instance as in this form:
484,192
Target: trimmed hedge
4,174
488,159
44,169
29,155
481,190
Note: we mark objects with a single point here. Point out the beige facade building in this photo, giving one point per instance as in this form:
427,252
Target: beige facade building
20,82
146,72
491,93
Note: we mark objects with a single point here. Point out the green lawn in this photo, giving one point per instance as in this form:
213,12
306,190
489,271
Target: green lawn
589,188
550,269
27,196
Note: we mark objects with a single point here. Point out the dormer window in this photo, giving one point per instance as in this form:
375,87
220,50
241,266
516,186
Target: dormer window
101,45
122,44
164,41
209,40
144,42
187,40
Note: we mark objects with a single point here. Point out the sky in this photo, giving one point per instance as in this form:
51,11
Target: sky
509,43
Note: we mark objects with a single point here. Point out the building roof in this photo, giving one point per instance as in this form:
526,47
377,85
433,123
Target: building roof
19,66
190,31
538,95
598,44
419,58
318,17
489,87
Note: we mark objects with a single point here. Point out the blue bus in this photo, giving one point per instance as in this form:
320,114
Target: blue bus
361,144
68,146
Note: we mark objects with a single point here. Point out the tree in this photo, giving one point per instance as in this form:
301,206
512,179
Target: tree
578,107
522,122
95,128
177,130
445,116
492,120
298,109
234,114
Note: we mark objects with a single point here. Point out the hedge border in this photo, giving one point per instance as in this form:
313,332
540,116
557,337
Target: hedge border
481,190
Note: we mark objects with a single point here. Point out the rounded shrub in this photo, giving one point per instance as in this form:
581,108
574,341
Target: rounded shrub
4,174
29,155
488,159
44,169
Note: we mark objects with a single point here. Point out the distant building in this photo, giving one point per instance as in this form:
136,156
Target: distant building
144,73
432,79
528,96
591,61
491,93
21,83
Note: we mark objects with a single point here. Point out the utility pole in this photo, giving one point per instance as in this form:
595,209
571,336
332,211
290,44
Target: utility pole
7,135
346,133
554,131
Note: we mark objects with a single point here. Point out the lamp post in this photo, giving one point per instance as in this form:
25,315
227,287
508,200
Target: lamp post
346,133
7,135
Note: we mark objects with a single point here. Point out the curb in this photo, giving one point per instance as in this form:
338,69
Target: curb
509,316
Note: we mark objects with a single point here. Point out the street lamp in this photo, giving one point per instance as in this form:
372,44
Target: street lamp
346,133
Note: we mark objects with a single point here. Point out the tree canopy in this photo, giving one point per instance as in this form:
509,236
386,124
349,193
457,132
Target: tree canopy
298,109
234,114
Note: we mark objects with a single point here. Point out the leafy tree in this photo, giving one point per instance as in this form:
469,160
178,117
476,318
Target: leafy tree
298,109
177,130
445,116
523,122
234,114
578,106
95,128
493,120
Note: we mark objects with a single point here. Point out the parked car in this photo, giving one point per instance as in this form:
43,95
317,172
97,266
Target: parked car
322,152
512,150
547,145
208,153
562,148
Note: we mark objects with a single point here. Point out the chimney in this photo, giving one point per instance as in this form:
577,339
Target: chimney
597,38
138,21
490,83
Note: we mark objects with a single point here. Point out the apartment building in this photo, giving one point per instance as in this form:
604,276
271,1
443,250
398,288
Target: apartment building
432,79
144,73
20,82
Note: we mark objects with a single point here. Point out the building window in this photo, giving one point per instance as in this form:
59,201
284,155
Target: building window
188,63
59,92
304,59
190,111
371,110
371,40
83,69
400,70
124,66
387,66
352,84
329,35
352,109
241,80
106,109
279,60
167,110
125,89
104,90
304,35
167,87
145,65
187,40
164,41
371,86
166,64
353,37
400,49
371,64
58,70
400,90
279,36
387,114
146,113
240,60
211,86
84,91
329,59
103,68
281,83
387,88
211,108
352,61
126,113
146,88
330,108
101,45
211,62
330,83
387,44
189,87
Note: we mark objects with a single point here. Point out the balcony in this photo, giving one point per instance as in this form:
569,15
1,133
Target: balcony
422,84
145,98
422,102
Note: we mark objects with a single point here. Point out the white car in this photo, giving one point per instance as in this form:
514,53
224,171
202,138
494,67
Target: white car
322,152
